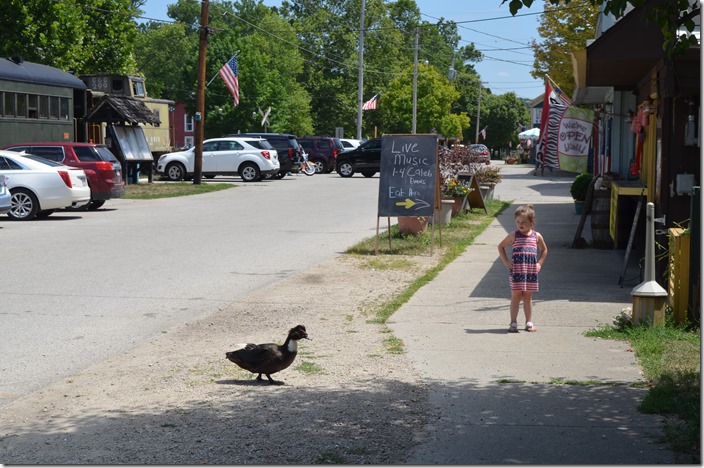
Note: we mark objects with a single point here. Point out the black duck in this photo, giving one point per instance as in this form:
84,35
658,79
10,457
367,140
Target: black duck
268,358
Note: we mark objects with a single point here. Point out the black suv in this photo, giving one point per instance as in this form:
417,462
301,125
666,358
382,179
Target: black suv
322,151
366,158
289,151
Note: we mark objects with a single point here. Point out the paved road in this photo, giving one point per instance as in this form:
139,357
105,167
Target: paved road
79,288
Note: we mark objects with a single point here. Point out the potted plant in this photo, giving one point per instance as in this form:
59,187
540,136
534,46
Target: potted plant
457,191
579,189
487,177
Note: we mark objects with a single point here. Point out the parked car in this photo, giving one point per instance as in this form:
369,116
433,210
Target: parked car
101,166
480,154
5,198
249,157
289,151
350,143
322,151
366,159
38,186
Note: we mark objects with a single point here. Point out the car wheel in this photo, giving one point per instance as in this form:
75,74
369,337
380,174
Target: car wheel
24,205
175,171
249,172
44,214
368,173
345,169
94,205
319,165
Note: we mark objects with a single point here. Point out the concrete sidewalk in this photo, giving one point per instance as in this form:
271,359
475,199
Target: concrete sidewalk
495,392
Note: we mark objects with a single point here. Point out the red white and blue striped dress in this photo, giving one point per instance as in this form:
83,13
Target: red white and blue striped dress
524,274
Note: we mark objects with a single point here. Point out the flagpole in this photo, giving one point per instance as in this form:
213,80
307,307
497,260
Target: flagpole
218,72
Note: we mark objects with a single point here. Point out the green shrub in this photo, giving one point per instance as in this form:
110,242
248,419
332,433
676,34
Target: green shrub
579,187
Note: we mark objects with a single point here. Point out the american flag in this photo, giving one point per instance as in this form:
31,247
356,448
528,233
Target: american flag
371,104
483,132
228,72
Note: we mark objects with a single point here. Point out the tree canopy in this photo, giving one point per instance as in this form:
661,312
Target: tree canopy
670,16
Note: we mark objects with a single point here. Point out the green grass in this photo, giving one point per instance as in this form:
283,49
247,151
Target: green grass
169,190
671,362
309,368
456,236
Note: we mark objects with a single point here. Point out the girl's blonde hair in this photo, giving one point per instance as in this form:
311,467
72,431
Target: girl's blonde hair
527,211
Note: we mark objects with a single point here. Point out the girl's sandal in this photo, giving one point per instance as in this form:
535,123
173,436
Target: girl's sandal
513,328
530,327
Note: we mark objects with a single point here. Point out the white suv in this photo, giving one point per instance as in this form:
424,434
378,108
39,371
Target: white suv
250,158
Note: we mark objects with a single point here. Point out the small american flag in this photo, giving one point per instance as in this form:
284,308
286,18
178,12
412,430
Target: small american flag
371,104
228,72
483,132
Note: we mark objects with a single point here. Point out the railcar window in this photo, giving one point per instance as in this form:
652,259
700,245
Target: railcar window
32,112
138,88
53,107
21,105
117,87
43,107
63,108
9,109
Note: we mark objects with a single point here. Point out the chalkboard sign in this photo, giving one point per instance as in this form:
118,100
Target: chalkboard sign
408,175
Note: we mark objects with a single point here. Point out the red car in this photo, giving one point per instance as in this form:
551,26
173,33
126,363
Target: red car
101,166
479,154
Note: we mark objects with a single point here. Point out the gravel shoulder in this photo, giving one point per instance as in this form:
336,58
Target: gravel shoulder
177,400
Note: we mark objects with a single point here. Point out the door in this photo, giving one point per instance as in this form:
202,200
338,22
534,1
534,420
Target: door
228,156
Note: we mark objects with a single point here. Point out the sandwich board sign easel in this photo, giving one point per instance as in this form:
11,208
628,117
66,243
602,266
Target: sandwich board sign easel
408,177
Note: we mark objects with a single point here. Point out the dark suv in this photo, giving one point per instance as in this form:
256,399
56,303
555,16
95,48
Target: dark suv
366,158
102,168
322,151
289,151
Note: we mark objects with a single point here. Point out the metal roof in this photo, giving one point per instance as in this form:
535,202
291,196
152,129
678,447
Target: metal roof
27,72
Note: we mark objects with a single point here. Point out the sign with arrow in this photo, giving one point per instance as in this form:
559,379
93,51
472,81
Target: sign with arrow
408,175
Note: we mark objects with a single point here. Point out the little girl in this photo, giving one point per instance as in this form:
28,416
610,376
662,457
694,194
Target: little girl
524,265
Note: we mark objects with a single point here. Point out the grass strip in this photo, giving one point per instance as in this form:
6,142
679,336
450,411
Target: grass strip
671,361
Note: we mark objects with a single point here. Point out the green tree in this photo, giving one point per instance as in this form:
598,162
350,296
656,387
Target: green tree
166,56
434,101
563,30
501,114
69,35
670,16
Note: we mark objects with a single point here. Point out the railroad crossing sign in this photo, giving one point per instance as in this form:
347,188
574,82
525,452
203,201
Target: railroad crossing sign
265,117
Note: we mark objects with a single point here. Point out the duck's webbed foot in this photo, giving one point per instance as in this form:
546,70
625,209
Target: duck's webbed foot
272,381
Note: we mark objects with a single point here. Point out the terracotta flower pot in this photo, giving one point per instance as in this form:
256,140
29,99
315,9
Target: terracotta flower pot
413,225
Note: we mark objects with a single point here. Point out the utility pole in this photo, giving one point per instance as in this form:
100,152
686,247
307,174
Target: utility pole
200,94
360,76
415,83
479,106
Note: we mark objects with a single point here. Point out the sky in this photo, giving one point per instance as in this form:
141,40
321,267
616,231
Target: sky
486,23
